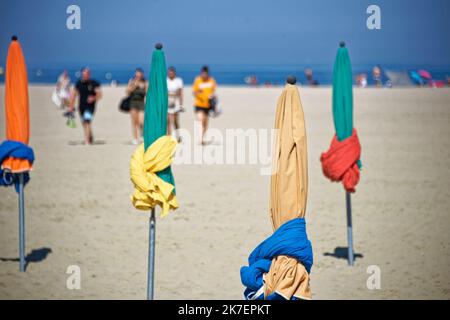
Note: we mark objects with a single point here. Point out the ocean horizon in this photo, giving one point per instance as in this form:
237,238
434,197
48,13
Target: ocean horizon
224,74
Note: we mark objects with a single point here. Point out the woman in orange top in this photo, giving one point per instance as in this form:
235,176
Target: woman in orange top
204,92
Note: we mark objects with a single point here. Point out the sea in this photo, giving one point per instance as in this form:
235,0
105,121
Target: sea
232,75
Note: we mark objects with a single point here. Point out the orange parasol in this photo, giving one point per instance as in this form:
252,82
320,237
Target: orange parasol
16,105
15,154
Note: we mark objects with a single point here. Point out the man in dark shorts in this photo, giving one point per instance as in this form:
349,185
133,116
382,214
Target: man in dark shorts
89,93
204,93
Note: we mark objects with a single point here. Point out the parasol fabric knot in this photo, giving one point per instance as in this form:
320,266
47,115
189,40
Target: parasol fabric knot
149,189
15,157
341,161
279,267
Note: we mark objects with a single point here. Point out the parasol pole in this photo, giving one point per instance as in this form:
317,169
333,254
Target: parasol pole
151,257
349,228
21,224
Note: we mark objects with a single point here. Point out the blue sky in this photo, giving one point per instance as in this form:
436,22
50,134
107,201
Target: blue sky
275,32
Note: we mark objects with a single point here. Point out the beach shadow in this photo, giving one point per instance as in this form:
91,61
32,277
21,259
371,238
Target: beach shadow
36,255
99,142
81,142
342,253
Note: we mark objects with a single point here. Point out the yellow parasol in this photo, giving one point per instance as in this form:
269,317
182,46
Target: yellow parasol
279,266
288,190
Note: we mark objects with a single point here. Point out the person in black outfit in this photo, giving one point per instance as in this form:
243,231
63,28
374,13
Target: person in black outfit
88,91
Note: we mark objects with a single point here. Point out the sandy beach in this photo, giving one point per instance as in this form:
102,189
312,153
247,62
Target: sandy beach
78,210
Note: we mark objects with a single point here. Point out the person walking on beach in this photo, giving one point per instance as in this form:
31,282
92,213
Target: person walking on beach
175,106
88,91
204,92
136,89
376,75
63,89
310,78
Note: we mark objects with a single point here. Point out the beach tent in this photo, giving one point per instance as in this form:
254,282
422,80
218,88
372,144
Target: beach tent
399,78
150,169
16,157
341,162
279,267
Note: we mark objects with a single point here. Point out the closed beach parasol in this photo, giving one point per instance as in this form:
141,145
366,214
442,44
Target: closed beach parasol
16,157
279,267
341,162
150,164
399,78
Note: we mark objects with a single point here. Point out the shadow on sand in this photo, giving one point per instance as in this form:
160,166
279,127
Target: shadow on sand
36,255
342,253
81,143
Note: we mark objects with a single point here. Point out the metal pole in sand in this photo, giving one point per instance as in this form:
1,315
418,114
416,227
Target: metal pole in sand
151,257
21,224
349,229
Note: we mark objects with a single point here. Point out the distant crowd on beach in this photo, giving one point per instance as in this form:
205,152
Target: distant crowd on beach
377,77
86,92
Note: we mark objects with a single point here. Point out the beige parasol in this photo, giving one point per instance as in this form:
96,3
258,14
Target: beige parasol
288,191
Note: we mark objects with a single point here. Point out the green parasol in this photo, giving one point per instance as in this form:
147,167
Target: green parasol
343,120
342,94
155,126
155,119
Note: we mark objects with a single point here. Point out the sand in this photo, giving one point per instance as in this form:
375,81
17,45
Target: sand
78,210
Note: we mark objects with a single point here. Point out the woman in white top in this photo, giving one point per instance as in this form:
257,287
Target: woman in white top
175,106
62,90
